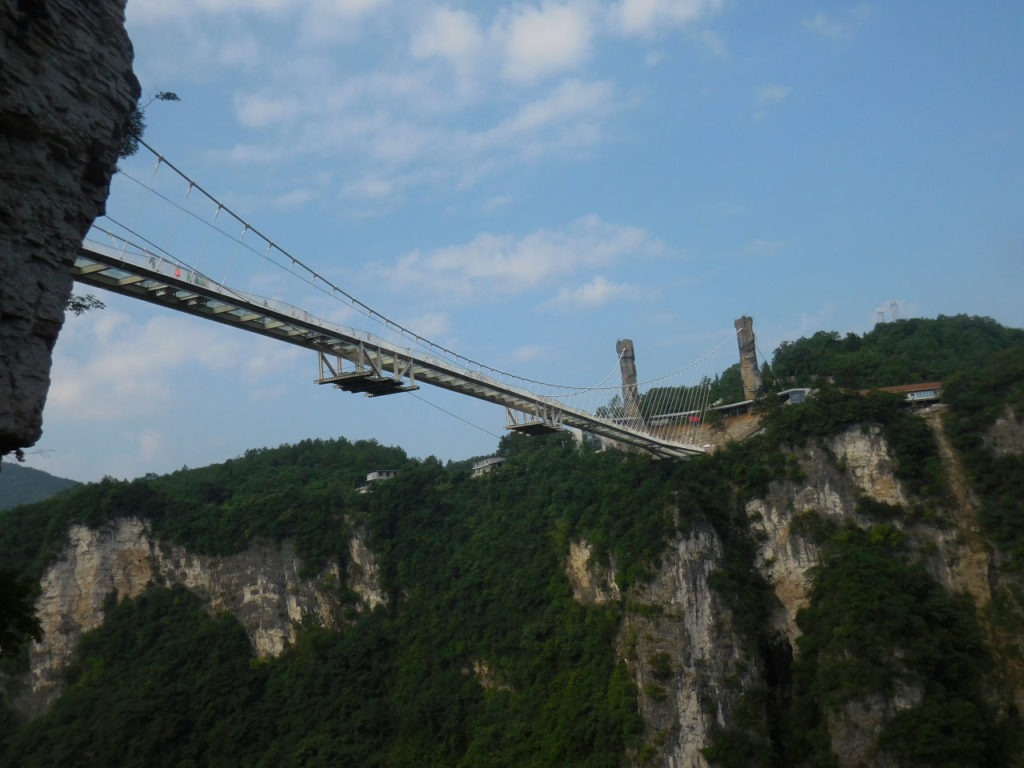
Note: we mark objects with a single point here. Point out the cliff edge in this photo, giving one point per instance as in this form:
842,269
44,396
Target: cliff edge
67,91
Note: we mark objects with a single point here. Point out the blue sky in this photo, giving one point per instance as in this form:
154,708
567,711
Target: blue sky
528,182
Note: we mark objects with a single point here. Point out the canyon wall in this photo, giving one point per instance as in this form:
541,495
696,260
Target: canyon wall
66,93
680,642
261,587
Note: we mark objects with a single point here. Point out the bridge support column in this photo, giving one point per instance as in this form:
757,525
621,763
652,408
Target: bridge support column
627,367
749,370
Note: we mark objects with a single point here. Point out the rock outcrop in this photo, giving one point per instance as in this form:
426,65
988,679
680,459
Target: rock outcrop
853,464
261,587
678,640
66,93
678,643
687,661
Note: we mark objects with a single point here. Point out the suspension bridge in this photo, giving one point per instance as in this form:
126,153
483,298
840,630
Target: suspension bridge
183,249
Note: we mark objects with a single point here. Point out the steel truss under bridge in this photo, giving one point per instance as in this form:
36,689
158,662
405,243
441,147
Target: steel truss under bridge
375,366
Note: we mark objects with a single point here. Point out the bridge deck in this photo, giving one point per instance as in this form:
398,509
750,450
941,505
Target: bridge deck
126,273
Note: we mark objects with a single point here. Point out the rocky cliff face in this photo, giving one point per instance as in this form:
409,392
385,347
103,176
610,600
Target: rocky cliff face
683,653
854,463
66,90
678,638
261,587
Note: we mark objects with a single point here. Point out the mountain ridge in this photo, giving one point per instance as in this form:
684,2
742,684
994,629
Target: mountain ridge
25,485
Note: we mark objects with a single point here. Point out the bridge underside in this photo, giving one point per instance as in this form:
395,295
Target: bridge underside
377,367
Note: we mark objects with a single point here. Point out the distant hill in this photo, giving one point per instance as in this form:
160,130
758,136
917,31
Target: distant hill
24,485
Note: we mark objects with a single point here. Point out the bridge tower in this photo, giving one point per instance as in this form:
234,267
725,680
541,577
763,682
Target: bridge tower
627,367
749,370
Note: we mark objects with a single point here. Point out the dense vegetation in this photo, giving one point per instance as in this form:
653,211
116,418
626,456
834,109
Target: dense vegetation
880,628
901,352
977,398
482,657
295,492
474,567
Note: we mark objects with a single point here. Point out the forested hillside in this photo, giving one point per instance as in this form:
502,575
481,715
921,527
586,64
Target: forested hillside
24,485
901,352
482,656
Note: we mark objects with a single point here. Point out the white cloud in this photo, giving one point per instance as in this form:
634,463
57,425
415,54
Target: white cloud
566,118
260,110
434,114
649,16
402,153
336,20
525,353
714,44
768,96
495,265
451,35
831,27
296,198
117,367
765,247
410,88
160,11
494,203
432,325
369,187
771,93
653,58
594,293
571,98
251,154
376,136
241,53
542,41
822,25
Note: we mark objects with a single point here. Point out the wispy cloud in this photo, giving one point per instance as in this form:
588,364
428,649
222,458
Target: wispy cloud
771,93
714,44
596,292
117,368
831,27
493,265
494,203
455,37
765,247
822,25
451,95
526,352
768,96
646,17
400,153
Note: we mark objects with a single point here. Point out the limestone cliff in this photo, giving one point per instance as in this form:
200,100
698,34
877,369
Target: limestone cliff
851,464
678,639
683,653
678,643
66,91
261,587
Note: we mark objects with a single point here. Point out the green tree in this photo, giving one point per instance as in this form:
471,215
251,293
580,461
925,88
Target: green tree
18,622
